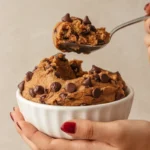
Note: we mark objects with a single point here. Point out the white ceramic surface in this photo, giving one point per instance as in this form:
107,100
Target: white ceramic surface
49,119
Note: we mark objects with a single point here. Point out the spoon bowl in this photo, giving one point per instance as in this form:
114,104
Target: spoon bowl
81,48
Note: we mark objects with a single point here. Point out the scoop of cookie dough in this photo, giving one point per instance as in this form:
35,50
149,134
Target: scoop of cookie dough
57,81
76,30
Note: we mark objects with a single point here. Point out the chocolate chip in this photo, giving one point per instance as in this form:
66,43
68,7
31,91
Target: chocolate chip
39,89
63,96
96,78
104,78
55,86
75,68
101,42
66,38
57,74
29,75
87,82
95,69
71,87
85,32
21,86
86,20
96,93
119,96
71,98
42,99
93,28
67,18
31,92
54,67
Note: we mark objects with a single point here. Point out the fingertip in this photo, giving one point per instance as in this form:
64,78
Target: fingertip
17,116
69,127
147,8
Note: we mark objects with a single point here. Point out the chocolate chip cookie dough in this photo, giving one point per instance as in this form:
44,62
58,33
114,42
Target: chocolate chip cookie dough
76,30
57,81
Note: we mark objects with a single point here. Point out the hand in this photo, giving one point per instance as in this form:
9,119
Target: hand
147,28
117,135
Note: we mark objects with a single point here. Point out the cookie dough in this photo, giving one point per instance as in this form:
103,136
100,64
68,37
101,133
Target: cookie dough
57,81
76,30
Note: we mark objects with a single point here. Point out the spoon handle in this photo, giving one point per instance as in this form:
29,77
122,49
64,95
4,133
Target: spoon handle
126,24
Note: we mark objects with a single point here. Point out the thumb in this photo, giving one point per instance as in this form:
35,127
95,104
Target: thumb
85,129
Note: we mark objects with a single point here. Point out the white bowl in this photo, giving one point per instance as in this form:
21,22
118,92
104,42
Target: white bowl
49,119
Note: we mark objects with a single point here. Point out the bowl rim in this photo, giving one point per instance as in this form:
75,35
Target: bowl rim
20,98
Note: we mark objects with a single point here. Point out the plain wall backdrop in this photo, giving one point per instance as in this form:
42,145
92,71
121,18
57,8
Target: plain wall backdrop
26,37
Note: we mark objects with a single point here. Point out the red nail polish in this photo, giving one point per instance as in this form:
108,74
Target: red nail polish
18,125
146,6
69,127
11,117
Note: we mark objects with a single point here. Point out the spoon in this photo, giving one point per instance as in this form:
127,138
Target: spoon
81,48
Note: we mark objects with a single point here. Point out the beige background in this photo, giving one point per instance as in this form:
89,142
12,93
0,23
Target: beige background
25,38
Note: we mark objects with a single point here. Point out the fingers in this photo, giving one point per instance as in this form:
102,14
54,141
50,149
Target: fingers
16,115
38,138
43,141
84,129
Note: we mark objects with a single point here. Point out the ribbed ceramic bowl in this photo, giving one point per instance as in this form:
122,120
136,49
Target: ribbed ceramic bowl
49,119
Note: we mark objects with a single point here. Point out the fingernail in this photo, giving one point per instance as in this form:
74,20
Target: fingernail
14,108
18,125
146,6
69,127
11,117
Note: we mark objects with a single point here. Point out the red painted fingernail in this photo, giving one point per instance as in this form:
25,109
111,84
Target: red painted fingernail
146,6
11,117
69,127
18,125
14,108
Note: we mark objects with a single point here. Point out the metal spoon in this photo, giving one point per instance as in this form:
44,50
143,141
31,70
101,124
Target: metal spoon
80,48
